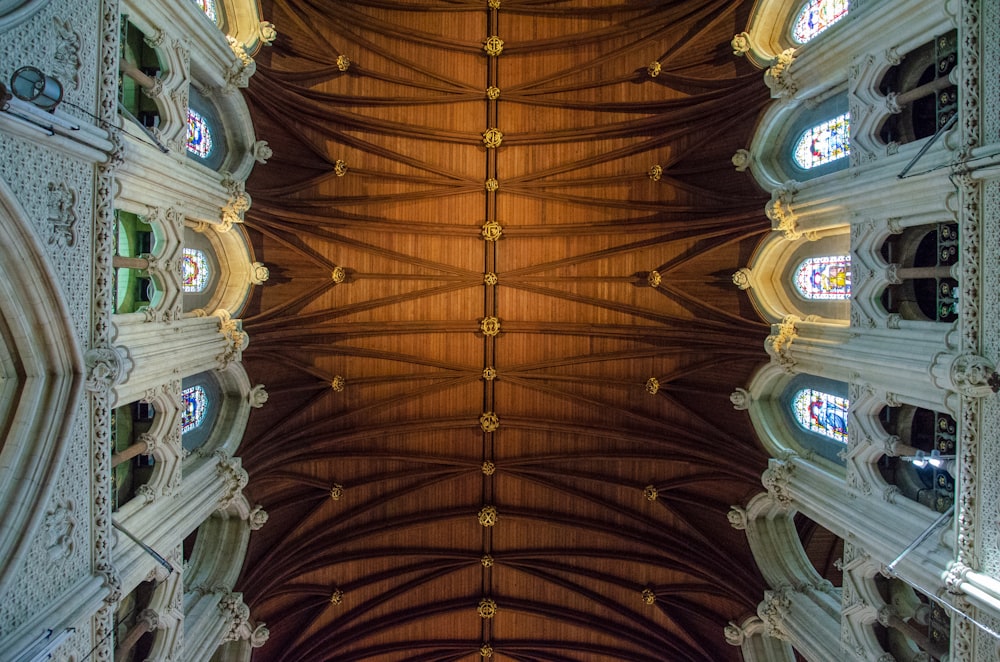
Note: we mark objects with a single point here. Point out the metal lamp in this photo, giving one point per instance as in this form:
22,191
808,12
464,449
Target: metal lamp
32,85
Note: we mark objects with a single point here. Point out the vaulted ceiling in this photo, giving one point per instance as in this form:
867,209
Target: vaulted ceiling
372,457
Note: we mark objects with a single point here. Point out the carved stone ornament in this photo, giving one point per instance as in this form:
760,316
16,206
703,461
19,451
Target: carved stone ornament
237,614
258,518
740,44
111,581
734,634
492,138
741,278
492,231
653,69
487,608
741,160
243,69
779,211
490,278
57,530
492,184
741,399
338,274
488,468
492,93
239,202
488,516
340,167
236,340
261,151
338,383
493,46
655,172
490,326
486,561
66,58
648,596
737,516
259,636
62,215
775,479
489,374
268,33
778,77
779,343
973,375
259,273
336,491
773,610
654,278
106,367
257,396
650,492
489,421
486,650
234,478
343,62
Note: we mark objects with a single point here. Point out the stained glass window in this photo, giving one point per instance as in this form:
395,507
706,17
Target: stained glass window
194,270
823,143
827,277
199,137
195,403
816,16
821,413
208,6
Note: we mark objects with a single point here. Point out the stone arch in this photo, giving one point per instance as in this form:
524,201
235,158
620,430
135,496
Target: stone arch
768,277
42,380
231,253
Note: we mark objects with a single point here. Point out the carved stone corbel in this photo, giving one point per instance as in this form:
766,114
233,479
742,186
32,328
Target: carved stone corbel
778,77
779,211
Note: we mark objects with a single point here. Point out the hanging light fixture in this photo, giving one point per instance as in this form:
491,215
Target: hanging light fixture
32,85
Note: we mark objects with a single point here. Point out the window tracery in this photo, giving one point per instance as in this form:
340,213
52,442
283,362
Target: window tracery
199,135
195,405
816,16
194,270
823,143
827,277
822,413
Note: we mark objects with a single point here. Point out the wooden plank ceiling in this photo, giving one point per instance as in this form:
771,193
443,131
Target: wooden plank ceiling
374,549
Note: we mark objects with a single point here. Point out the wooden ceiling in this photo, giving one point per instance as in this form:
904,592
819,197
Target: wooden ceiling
374,549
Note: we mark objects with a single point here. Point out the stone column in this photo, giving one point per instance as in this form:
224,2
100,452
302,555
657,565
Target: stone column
146,622
908,364
808,619
882,527
161,352
209,484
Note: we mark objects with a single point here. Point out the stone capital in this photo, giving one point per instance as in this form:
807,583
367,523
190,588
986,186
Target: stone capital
778,77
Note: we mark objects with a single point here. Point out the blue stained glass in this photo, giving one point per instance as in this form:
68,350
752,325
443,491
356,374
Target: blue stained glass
816,16
821,413
823,143
199,135
827,277
194,400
